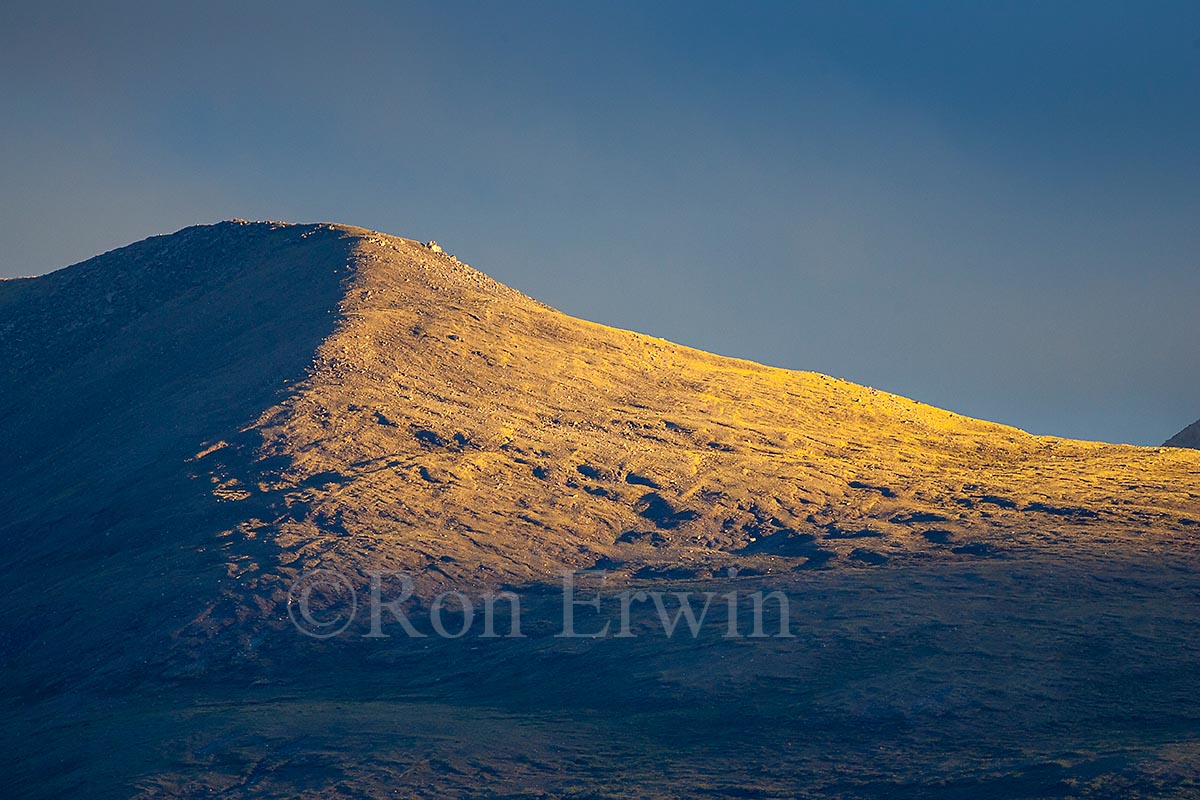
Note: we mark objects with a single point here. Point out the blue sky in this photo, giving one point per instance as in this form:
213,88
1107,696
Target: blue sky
988,207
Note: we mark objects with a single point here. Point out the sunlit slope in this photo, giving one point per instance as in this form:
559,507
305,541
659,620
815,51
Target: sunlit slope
455,428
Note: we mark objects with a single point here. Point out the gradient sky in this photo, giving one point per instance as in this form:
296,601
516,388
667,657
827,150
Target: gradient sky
994,208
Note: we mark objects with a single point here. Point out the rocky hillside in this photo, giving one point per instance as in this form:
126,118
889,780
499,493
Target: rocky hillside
459,429
321,394
190,422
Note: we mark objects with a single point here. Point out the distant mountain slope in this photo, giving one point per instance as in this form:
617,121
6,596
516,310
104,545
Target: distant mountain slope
240,402
1188,437
189,423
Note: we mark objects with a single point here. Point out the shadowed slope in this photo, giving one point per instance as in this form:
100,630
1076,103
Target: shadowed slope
111,372
1188,437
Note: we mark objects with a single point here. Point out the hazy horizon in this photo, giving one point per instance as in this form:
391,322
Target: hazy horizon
991,210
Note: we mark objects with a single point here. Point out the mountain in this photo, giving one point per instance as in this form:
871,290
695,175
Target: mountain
324,394
195,421
1188,437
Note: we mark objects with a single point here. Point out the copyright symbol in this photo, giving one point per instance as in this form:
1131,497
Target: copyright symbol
322,603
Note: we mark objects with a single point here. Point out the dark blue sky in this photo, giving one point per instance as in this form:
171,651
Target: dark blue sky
989,207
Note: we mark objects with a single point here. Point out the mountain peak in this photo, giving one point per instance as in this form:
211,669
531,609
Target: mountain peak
242,402
192,423
1188,437
274,353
